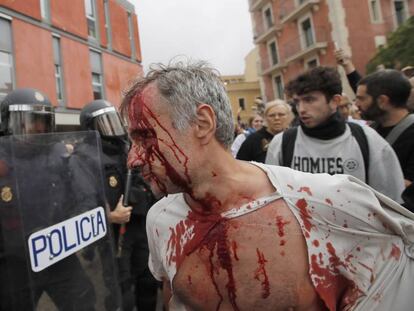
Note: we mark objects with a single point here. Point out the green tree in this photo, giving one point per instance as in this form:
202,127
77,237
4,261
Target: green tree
399,51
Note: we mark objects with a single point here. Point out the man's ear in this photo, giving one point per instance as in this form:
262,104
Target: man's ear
383,102
335,101
205,124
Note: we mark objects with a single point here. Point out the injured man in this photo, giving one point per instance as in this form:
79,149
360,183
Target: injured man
235,235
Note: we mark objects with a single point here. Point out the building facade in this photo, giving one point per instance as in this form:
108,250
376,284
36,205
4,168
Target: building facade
295,35
243,90
74,51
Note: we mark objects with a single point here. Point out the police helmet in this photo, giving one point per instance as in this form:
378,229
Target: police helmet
26,111
101,115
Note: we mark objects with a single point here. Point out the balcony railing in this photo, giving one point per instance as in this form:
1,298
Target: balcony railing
257,4
290,12
263,36
305,45
273,69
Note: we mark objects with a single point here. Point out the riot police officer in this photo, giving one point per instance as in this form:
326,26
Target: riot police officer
101,116
35,193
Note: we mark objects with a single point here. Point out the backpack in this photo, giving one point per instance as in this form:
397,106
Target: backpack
289,139
399,129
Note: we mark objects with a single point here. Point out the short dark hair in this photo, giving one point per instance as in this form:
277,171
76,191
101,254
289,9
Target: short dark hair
389,82
322,79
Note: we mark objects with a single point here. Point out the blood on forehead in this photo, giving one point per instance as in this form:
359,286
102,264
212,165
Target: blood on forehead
144,121
141,101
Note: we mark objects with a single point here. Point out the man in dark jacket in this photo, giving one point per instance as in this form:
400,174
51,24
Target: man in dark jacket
128,209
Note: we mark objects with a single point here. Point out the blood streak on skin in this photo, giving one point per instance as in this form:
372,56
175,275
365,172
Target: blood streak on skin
189,280
281,226
234,248
204,232
143,134
395,252
304,213
261,260
217,238
305,189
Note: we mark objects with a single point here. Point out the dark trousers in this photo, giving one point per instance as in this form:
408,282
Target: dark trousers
133,268
65,282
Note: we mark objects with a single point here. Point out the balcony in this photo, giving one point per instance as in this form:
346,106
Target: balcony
262,37
289,12
257,4
274,69
306,45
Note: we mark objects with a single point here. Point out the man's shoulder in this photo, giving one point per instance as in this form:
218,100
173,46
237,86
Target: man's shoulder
373,137
407,134
167,209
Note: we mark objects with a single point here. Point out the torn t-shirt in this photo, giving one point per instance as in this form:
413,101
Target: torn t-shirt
357,238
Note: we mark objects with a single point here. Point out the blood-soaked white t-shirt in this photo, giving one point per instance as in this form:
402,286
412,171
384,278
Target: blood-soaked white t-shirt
356,238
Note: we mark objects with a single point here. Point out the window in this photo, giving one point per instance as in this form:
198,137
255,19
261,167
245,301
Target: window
96,68
400,14
278,84
242,104
274,58
307,33
45,10
91,18
108,23
268,17
58,69
312,64
375,11
131,35
6,58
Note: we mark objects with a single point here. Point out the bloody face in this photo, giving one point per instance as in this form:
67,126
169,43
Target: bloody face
158,148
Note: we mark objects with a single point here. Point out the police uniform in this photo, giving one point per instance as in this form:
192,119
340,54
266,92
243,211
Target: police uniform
43,200
133,253
37,190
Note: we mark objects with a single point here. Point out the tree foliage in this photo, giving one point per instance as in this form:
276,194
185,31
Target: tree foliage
399,51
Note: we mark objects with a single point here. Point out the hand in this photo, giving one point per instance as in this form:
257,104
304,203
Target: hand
344,60
121,214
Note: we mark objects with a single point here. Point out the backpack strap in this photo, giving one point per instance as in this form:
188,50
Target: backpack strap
359,134
399,128
288,146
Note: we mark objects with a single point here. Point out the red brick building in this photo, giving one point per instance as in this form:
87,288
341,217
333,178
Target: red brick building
74,51
294,35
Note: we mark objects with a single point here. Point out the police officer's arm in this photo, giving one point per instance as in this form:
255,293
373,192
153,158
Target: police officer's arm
121,214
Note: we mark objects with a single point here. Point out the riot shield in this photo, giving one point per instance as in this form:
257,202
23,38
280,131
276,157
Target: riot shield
56,247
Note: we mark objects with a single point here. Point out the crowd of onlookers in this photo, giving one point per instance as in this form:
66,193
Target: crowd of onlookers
320,129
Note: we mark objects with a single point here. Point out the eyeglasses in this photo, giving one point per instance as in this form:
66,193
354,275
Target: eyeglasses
274,115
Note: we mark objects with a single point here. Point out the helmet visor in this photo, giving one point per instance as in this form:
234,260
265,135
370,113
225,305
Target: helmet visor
107,122
31,119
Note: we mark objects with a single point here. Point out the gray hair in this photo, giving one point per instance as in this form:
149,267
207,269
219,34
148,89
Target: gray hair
278,102
185,86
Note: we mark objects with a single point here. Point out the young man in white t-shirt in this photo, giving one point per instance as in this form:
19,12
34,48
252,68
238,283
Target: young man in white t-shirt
324,143
234,235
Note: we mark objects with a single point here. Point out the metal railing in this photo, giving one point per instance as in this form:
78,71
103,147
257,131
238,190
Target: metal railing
304,42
